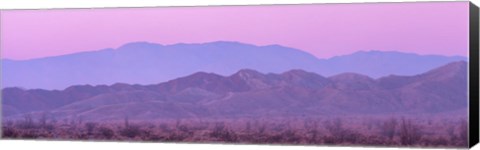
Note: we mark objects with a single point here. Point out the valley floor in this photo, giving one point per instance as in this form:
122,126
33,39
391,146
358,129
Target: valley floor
383,132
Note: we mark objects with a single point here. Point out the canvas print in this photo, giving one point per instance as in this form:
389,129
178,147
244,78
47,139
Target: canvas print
369,74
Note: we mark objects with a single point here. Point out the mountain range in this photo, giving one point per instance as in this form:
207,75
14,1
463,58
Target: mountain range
148,63
250,93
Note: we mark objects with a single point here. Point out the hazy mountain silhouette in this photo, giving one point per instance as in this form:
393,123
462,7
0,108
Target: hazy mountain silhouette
249,93
147,63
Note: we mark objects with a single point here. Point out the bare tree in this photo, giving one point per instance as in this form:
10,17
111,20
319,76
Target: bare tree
336,130
410,133
389,127
222,133
27,123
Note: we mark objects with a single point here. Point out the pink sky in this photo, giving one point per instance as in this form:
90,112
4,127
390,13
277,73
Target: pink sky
324,30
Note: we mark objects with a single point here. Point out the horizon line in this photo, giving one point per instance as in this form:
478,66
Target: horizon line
226,41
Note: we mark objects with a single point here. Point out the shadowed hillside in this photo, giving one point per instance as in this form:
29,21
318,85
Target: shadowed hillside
248,93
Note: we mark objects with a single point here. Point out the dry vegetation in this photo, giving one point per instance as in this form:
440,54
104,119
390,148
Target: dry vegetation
393,131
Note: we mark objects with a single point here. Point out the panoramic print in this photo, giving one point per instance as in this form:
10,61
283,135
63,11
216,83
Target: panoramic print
371,74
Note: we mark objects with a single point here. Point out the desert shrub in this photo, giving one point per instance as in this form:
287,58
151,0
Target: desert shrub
410,133
26,123
337,132
43,120
130,131
388,128
279,127
164,127
175,137
289,136
313,136
328,139
463,133
438,141
9,132
451,132
182,131
334,127
49,127
183,128
351,136
155,137
223,134
271,139
255,138
106,132
261,129
248,127
90,126
29,134
374,140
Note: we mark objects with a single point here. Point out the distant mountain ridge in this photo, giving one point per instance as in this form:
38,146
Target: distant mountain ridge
148,63
249,93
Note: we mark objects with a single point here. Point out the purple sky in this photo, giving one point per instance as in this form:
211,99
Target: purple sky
323,30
